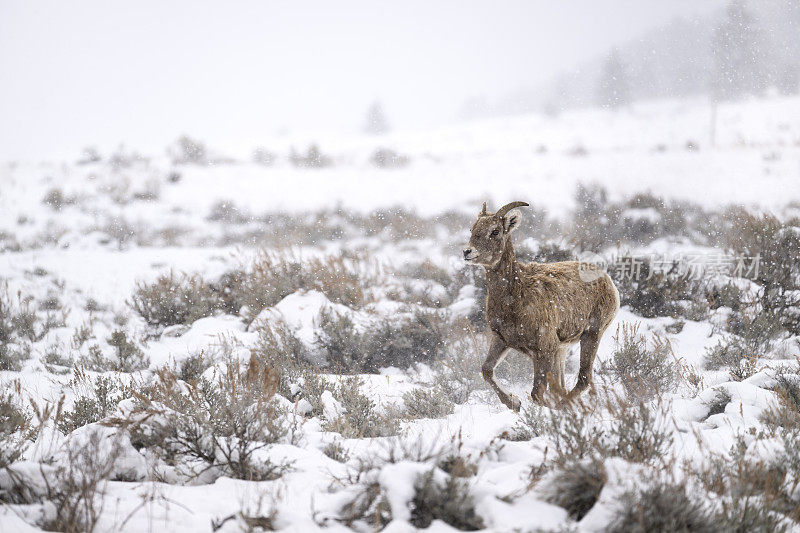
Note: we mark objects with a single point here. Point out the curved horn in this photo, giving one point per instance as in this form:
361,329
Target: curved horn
483,211
508,207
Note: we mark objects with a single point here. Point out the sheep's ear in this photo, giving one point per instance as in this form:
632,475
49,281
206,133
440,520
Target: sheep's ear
511,220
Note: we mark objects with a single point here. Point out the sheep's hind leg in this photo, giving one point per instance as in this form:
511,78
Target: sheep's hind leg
497,352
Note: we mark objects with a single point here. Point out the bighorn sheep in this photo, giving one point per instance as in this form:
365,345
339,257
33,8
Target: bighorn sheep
539,309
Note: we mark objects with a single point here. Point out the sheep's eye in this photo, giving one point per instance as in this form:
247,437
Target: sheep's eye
495,233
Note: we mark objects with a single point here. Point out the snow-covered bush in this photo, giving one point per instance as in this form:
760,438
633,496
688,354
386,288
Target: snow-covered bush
426,403
18,326
429,284
312,158
226,211
98,399
641,369
343,346
271,277
191,368
262,156
419,338
546,252
187,150
598,222
786,413
280,349
174,299
531,424
17,320
359,417
56,200
651,293
441,489
661,506
75,489
449,501
754,494
740,356
15,428
639,433
398,342
221,422
574,485
719,402
128,356
10,358
455,373
388,158
777,244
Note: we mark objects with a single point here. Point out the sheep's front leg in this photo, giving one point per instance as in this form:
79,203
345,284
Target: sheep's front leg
548,362
497,352
542,373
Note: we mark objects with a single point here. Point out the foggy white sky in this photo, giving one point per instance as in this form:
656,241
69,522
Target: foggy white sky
100,73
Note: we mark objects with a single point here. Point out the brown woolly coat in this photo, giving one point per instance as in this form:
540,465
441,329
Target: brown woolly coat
538,307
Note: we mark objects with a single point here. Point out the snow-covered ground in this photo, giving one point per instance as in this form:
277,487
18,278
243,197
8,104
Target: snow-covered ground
81,236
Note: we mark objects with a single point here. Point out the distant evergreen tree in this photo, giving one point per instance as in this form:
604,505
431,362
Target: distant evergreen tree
613,89
376,120
739,50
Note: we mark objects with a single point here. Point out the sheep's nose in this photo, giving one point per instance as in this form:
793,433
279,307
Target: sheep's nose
467,252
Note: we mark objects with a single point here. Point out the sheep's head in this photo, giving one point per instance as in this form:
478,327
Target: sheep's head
490,232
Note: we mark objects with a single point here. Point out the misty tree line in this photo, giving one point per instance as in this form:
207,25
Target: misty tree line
750,48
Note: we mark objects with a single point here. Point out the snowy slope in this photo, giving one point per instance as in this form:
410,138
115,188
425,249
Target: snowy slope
113,228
